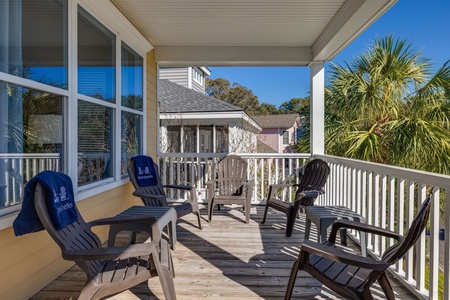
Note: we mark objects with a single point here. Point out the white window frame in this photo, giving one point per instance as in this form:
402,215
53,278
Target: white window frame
109,16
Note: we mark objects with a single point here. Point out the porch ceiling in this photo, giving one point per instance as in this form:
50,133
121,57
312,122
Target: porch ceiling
250,32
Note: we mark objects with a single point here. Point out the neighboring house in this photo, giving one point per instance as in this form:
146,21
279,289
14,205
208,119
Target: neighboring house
190,77
192,122
279,132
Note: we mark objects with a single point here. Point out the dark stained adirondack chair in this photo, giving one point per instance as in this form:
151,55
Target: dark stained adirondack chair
109,270
231,185
350,275
310,187
155,195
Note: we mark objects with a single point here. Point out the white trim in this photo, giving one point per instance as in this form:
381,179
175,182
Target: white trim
217,115
317,76
31,84
107,13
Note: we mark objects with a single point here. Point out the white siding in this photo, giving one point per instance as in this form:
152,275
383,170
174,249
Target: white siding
178,75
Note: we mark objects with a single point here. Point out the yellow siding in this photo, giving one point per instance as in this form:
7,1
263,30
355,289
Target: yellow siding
30,262
152,108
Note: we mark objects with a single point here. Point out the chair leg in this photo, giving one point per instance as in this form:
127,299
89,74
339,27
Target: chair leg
386,286
163,269
265,212
292,279
291,216
247,213
210,210
198,218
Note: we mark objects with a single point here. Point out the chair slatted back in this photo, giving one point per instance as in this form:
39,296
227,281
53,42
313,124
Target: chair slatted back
76,236
398,250
314,178
231,175
153,190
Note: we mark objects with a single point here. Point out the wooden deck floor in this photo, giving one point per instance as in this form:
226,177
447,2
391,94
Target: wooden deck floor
228,259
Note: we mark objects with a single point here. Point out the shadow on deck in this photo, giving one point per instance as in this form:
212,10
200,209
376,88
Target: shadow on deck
229,260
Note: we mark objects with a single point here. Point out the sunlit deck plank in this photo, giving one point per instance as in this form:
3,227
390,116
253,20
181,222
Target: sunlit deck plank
228,259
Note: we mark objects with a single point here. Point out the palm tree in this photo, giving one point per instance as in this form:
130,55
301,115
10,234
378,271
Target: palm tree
388,107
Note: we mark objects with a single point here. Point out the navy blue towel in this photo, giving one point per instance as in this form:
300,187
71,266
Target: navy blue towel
59,199
145,171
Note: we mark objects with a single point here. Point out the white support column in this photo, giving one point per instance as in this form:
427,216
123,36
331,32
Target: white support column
317,107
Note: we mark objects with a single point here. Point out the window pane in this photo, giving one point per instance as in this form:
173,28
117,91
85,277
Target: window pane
131,138
94,142
96,58
33,40
132,66
31,138
285,137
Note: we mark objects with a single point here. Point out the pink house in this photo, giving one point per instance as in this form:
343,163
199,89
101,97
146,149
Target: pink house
279,132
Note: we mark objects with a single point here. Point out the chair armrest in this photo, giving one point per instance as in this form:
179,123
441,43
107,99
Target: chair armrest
274,187
338,255
179,187
123,220
147,196
338,224
109,253
311,194
212,181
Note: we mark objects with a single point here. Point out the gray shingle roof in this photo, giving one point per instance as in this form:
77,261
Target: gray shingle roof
276,121
175,98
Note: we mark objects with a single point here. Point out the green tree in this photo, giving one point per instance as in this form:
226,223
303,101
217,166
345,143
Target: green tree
295,105
387,107
235,94
266,109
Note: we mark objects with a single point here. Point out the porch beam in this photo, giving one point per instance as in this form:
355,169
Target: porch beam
350,21
317,108
233,55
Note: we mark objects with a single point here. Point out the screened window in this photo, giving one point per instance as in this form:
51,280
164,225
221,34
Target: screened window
206,141
221,139
173,139
190,139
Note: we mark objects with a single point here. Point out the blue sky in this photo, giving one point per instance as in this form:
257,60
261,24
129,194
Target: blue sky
423,23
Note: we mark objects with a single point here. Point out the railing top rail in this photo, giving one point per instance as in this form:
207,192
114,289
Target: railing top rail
29,155
429,178
246,155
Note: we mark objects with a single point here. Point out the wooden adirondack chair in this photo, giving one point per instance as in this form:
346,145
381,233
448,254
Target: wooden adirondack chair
155,195
112,269
310,187
349,275
231,185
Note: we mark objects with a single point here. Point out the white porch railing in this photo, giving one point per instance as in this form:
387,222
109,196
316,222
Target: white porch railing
17,169
386,196
263,169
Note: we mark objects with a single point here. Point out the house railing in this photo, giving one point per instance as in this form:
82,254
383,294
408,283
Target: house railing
389,197
386,196
263,169
17,169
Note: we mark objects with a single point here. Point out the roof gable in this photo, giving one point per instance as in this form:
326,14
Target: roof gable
175,98
277,121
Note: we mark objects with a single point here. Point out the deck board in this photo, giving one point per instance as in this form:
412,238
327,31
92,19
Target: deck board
228,259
